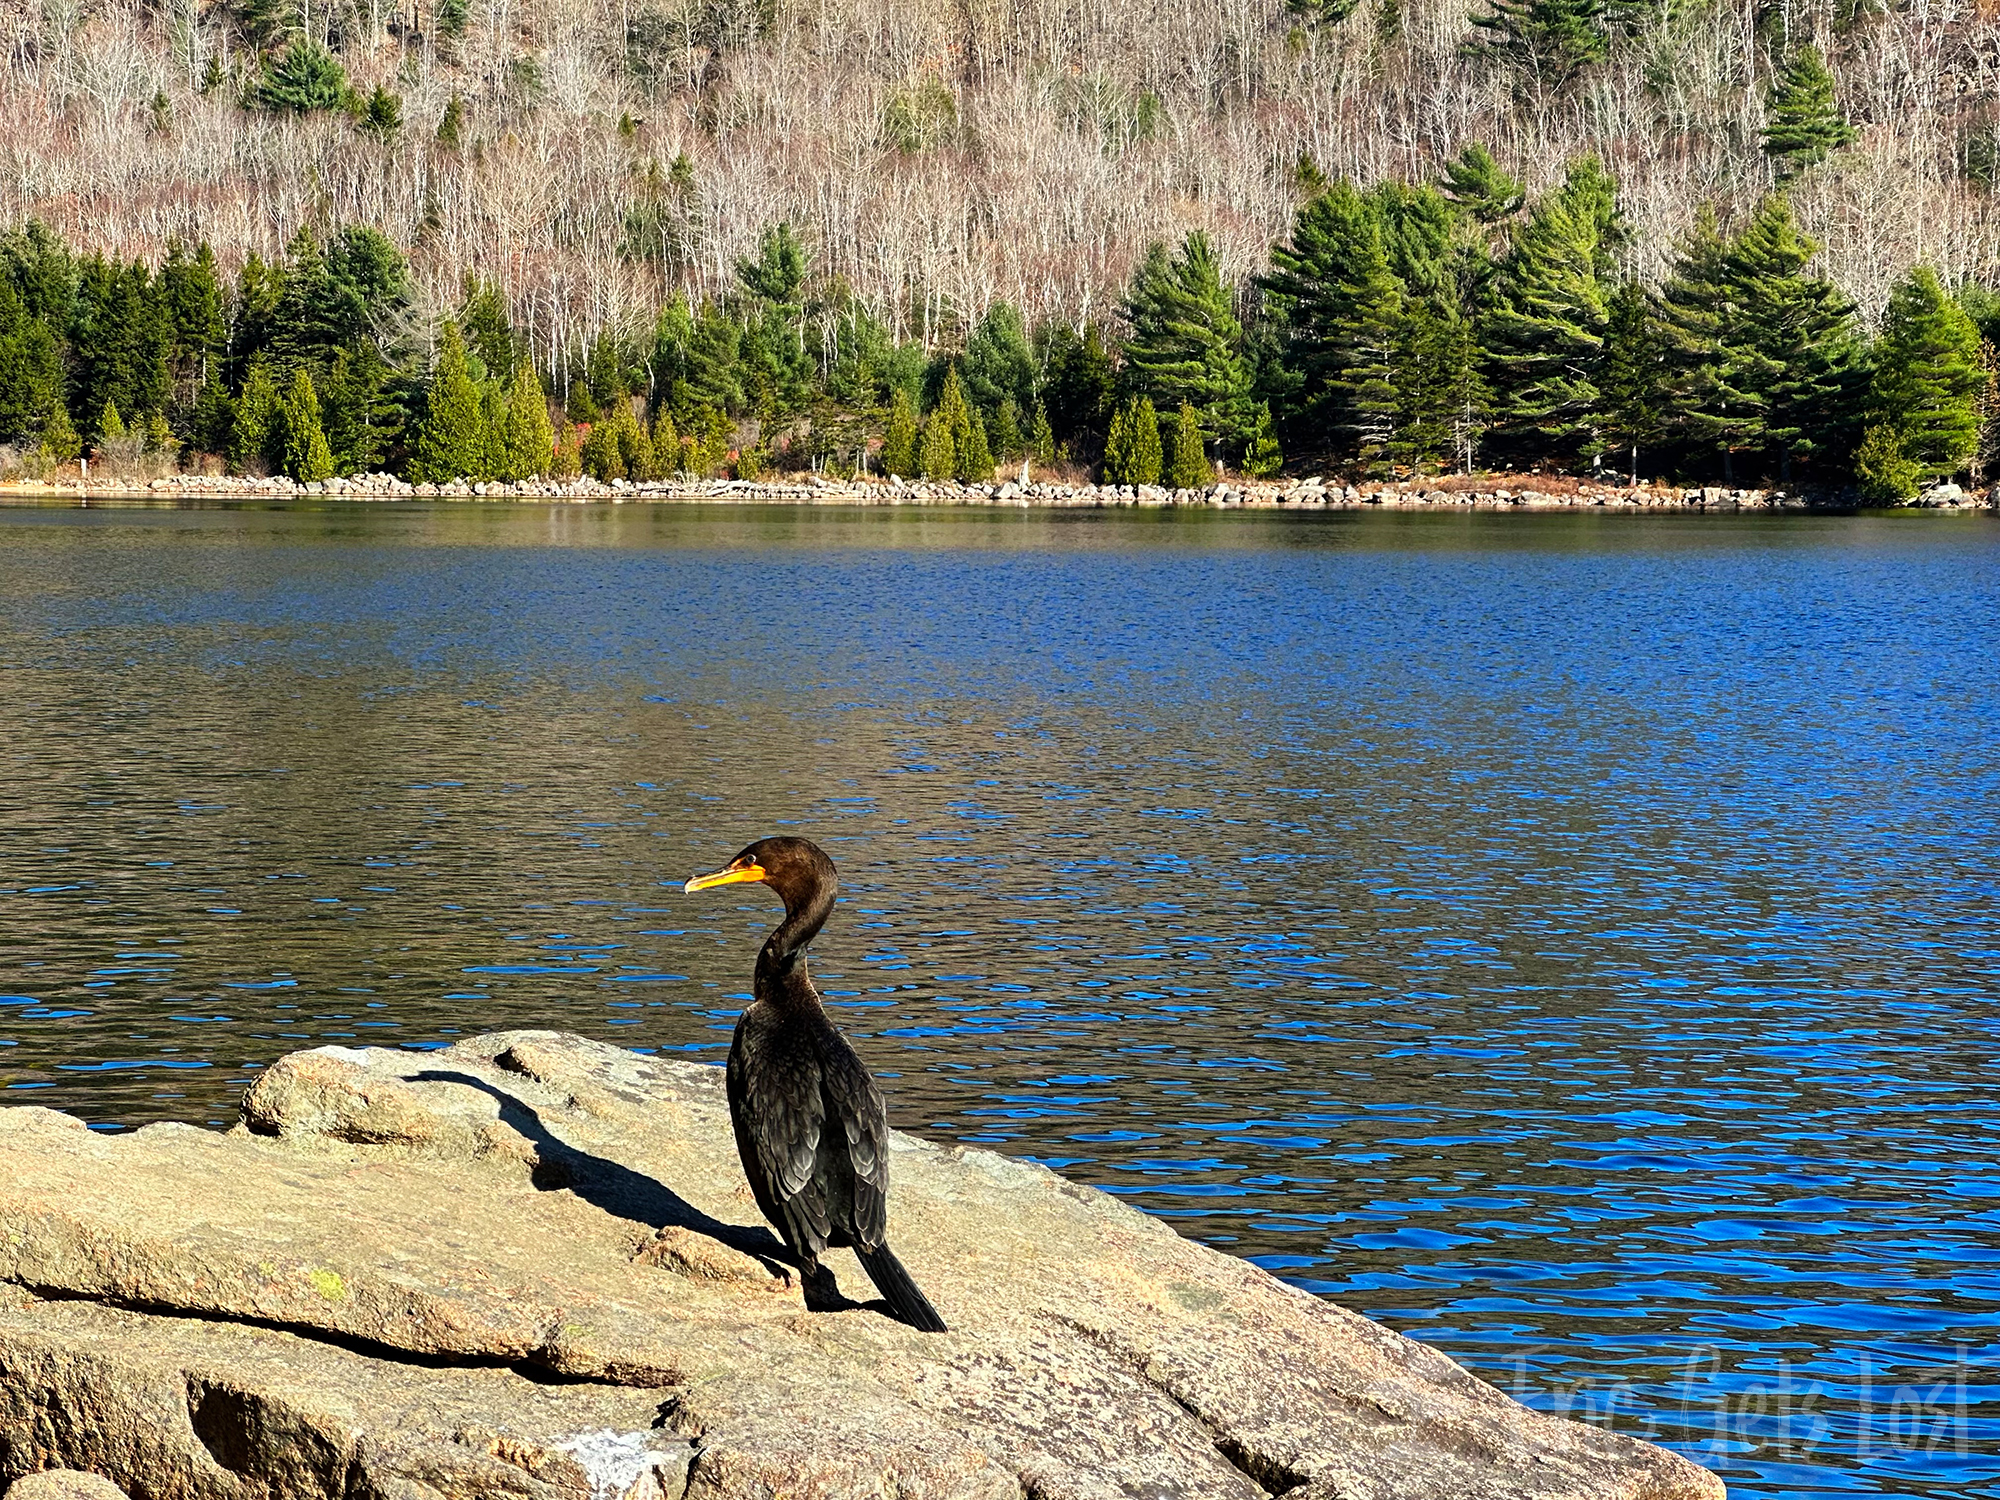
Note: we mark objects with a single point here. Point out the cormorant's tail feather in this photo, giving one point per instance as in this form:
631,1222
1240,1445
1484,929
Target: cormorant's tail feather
901,1293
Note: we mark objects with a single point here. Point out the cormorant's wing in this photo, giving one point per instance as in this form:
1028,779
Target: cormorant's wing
783,1116
855,1108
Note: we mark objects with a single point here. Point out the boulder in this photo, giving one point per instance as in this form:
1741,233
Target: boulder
64,1484
529,1266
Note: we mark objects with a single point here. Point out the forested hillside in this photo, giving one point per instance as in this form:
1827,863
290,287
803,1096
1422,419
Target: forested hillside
1425,233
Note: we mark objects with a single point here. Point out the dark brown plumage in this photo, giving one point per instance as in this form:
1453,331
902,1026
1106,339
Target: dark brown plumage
810,1126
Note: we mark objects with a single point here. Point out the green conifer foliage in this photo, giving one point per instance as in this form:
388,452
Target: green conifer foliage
110,426
999,371
1884,472
305,77
527,447
60,444
1132,451
452,442
256,422
31,375
1629,379
1187,467
1186,343
1805,124
1546,42
1439,399
937,458
601,457
382,115
1042,437
1703,403
306,455
635,444
1793,344
1263,460
451,127
1544,328
359,411
899,443
1006,429
1477,184
1928,379
1077,384
668,460
1339,309
160,437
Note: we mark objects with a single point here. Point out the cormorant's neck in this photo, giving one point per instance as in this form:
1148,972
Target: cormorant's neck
781,963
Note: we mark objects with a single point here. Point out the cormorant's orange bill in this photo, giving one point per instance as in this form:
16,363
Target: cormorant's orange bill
734,875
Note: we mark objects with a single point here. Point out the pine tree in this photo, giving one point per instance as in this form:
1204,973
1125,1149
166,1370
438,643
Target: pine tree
527,447
1187,467
452,442
305,77
1339,309
899,443
1186,344
1263,460
1793,341
1805,123
1546,42
1629,379
1475,182
1704,398
1440,398
256,420
1544,329
1927,376
306,455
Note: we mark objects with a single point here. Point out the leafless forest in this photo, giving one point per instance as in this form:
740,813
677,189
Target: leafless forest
940,154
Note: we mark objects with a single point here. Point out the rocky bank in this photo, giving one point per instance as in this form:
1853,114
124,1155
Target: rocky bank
528,1266
1510,492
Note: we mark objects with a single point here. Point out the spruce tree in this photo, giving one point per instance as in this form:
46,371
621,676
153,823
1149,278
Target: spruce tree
938,459
452,442
1339,309
255,426
974,457
668,460
1544,328
305,77
899,442
1927,378
1117,448
306,455
1629,379
527,448
1186,344
110,426
1440,399
1132,451
999,370
1187,467
635,444
1805,124
1884,472
60,444
601,456
1042,437
1263,460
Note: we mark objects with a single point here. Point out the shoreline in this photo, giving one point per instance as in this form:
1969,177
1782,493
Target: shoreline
1456,492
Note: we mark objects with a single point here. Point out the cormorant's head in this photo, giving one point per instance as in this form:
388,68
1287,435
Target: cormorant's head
797,869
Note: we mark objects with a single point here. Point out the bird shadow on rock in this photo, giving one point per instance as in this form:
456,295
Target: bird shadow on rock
624,1193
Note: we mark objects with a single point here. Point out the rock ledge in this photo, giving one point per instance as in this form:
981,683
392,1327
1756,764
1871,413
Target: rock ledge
528,1266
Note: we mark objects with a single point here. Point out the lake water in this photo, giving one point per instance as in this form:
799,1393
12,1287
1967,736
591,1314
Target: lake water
1572,940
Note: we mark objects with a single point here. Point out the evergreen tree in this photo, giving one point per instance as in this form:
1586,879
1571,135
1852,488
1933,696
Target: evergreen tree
190,295
486,328
635,444
1077,384
360,412
1339,309
256,422
1475,182
31,375
110,426
1804,122
601,456
938,459
1132,450
1439,398
974,457
60,444
1187,467
1884,472
1546,42
1544,328
1793,343
160,437
1263,460
305,77
1927,378
1629,379
1006,429
999,370
382,115
527,447
119,339
668,461
1042,437
451,127
451,443
1705,399
899,443
777,367
1186,344
306,455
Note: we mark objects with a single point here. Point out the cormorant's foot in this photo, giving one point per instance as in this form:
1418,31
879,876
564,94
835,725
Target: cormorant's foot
822,1292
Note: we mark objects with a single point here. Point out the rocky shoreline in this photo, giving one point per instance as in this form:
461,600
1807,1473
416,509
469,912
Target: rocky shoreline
1514,492
528,1266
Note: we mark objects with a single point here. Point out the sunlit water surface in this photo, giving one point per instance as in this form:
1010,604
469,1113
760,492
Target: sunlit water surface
1573,941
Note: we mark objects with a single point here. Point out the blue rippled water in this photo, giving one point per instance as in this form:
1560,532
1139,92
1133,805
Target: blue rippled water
1572,940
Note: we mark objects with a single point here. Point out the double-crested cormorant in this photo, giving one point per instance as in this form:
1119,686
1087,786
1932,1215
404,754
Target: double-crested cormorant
809,1121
